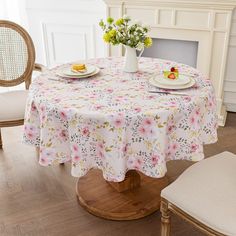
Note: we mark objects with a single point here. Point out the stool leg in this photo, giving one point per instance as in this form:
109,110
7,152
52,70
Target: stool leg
0,140
165,219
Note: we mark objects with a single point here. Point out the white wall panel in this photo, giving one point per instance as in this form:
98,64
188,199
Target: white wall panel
230,80
65,31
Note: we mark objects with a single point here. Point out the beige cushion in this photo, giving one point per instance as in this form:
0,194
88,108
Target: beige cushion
207,191
12,105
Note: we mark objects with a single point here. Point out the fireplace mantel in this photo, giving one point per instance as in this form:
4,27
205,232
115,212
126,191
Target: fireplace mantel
210,4
206,21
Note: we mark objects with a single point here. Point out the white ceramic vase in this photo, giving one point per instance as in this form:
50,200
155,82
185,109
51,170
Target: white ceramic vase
131,59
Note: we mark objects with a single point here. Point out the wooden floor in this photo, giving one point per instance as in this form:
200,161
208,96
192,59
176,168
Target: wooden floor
41,201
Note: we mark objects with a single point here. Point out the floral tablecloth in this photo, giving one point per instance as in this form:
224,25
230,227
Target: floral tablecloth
111,121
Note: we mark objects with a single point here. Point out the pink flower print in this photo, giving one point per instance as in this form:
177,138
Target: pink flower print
170,128
172,104
57,100
98,107
187,98
110,90
142,130
155,159
63,115
100,150
194,147
138,163
100,145
119,121
30,135
63,135
210,103
30,131
151,97
75,148
148,122
125,148
76,158
100,154
44,161
33,107
46,155
192,119
85,131
168,154
197,112
137,109
42,108
174,147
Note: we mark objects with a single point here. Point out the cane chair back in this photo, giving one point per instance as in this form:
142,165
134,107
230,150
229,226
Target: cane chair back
17,55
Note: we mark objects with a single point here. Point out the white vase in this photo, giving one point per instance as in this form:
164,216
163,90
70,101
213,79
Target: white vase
131,59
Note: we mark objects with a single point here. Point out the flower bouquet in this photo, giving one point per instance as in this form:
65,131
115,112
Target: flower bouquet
132,35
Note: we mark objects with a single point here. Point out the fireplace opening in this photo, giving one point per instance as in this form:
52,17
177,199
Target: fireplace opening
175,50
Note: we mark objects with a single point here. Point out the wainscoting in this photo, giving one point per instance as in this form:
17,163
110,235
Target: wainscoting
65,31
230,77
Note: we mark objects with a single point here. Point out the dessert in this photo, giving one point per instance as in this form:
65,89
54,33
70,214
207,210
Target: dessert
172,74
78,68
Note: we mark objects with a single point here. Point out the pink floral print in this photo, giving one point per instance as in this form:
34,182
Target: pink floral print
111,122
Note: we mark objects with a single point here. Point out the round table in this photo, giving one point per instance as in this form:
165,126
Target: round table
113,124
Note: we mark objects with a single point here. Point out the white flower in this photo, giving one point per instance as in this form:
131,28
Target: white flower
137,22
148,27
140,46
125,17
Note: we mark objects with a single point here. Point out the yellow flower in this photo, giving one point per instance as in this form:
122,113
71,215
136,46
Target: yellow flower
119,22
112,33
110,20
148,42
106,37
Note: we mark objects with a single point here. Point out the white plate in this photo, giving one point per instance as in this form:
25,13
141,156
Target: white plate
166,86
181,80
67,71
79,76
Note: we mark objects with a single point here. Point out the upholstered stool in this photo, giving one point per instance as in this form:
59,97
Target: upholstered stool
204,195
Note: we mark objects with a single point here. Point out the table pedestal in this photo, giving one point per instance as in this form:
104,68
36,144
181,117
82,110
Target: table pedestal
135,197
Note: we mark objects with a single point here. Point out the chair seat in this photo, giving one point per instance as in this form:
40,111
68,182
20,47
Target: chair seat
12,105
207,192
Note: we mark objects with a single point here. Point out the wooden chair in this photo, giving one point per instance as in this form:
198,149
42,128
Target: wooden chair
204,195
17,62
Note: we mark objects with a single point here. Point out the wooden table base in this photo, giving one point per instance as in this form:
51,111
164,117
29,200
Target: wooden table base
110,202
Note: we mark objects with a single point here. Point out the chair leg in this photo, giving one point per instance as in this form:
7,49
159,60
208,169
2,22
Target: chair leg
165,219
0,140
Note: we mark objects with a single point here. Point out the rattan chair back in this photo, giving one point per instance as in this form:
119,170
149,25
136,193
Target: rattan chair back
17,55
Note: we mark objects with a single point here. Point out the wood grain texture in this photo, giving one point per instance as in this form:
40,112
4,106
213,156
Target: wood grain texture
41,201
132,180
101,199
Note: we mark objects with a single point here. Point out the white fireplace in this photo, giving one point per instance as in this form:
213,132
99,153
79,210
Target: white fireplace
181,51
206,22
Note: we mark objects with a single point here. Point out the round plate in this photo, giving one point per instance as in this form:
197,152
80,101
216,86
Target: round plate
183,79
166,86
79,76
67,71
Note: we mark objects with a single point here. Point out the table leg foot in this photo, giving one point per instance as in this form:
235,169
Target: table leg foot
103,200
